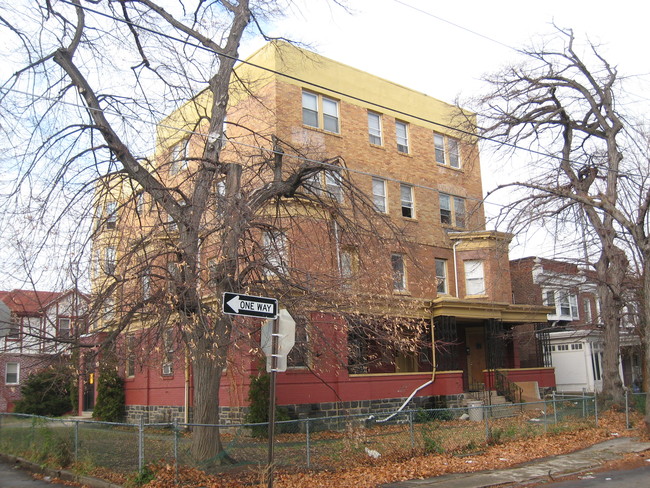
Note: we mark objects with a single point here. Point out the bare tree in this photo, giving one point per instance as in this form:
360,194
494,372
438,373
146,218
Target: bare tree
564,110
97,79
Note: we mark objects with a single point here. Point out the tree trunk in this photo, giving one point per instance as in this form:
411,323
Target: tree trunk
611,268
645,338
209,359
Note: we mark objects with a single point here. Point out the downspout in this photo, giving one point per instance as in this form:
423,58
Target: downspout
433,378
186,399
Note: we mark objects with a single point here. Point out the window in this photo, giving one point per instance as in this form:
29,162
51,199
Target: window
64,328
399,272
109,308
565,304
109,260
349,264
446,150
146,283
374,128
474,278
12,373
168,353
299,354
441,276
406,194
179,156
402,135
333,185
13,333
576,347
130,356
111,215
314,105
275,253
379,194
452,210
139,203
586,307
562,347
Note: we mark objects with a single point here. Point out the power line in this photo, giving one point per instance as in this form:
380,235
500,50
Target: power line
458,26
321,87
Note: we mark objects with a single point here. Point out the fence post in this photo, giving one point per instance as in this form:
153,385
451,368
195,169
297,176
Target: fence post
411,429
141,444
487,423
308,443
76,441
596,405
584,403
554,408
545,414
175,427
627,409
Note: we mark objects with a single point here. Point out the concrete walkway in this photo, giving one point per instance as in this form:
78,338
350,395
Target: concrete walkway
540,469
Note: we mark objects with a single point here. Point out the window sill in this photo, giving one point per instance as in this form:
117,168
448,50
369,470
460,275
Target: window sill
411,219
322,131
377,146
479,295
405,154
460,170
405,293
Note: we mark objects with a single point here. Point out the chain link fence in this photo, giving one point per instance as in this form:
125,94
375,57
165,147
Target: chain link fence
317,443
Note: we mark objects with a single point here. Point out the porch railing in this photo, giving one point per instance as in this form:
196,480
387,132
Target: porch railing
507,388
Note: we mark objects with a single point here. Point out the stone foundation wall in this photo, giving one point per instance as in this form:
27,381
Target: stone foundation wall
320,411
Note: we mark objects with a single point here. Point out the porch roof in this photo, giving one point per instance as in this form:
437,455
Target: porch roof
481,309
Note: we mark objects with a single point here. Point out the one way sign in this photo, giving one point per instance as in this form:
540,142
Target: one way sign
263,307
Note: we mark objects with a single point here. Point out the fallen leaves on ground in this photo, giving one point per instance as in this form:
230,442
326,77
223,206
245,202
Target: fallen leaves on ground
375,472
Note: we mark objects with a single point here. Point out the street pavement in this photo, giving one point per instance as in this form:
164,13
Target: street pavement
542,469
624,478
12,476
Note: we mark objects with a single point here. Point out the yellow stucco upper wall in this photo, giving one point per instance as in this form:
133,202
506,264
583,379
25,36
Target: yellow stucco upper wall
344,82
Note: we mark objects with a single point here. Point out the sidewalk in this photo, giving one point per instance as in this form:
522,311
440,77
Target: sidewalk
565,464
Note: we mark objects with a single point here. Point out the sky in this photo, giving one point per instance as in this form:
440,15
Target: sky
444,48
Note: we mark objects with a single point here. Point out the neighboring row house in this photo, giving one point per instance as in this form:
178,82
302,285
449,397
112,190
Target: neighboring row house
574,328
36,328
451,278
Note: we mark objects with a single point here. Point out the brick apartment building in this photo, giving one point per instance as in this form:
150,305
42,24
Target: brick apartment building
35,327
575,337
443,272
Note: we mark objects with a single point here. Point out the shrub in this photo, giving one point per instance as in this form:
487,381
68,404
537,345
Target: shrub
258,411
46,392
110,405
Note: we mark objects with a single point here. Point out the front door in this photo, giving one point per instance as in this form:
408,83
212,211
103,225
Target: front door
475,341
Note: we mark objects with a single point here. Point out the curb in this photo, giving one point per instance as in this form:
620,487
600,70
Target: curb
62,474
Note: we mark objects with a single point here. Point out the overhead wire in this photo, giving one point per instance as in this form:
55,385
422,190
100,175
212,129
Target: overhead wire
331,90
327,89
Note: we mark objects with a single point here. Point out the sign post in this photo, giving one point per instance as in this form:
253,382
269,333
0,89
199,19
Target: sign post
282,335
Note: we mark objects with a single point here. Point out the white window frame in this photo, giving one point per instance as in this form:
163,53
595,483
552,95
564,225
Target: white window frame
407,201
110,260
179,156
63,320
15,366
564,302
168,353
375,128
145,280
474,277
586,307
452,209
402,136
275,253
320,112
442,284
333,185
379,195
446,150
111,214
398,267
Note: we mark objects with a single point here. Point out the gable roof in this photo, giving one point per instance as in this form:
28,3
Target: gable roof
28,302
